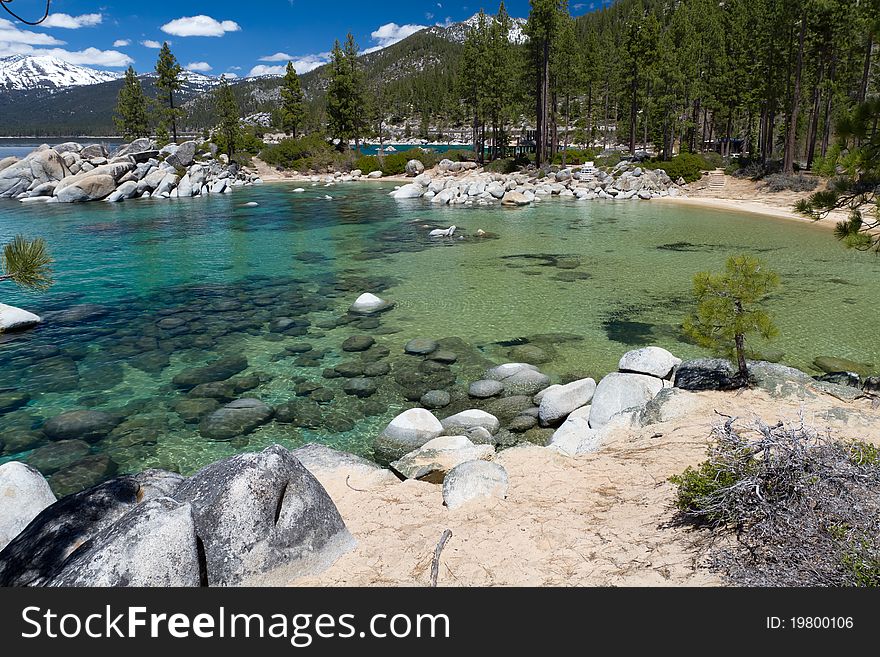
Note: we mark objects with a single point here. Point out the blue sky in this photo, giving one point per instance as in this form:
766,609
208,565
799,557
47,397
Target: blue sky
226,37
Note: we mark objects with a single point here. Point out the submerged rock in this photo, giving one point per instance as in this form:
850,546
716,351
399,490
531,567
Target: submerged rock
219,370
237,418
90,426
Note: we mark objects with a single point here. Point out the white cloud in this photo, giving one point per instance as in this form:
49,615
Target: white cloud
72,22
149,43
231,76
446,22
199,67
121,43
391,33
302,64
200,25
9,33
277,57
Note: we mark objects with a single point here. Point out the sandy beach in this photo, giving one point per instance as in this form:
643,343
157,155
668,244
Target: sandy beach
601,519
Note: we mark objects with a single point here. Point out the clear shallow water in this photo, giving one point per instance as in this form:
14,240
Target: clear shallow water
600,277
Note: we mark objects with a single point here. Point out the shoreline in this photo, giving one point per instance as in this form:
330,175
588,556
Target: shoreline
754,207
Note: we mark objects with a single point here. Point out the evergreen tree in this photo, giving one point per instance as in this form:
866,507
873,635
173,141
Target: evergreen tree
729,308
227,112
131,108
346,103
541,29
168,71
292,110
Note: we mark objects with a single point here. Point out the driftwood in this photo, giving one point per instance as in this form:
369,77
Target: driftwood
435,565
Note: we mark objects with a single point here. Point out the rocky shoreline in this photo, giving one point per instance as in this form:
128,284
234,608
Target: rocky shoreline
464,183
74,173
264,518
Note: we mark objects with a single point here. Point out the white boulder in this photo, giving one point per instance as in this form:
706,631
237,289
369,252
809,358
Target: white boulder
557,402
16,319
474,480
654,361
619,391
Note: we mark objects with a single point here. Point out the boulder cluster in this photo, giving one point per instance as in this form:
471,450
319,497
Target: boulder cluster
251,519
73,173
464,183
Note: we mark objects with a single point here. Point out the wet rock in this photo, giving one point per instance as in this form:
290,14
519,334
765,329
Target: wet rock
358,343
420,346
474,480
829,364
435,399
433,460
507,408
36,555
299,348
263,520
485,388
24,494
522,423
377,369
306,388
193,410
706,374
842,379
558,401
360,387
151,362
20,440
58,374
80,425
78,314
83,474
406,432
219,370
617,392
237,418
444,356
461,422
153,545
323,395
11,401
525,382
300,413
501,372
529,353
653,361
350,369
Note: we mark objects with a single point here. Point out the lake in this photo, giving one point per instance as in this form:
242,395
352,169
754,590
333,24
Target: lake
149,289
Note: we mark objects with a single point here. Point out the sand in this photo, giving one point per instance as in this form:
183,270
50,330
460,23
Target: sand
601,519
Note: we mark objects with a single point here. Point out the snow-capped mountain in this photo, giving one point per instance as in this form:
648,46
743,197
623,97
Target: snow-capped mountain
23,72
191,82
458,31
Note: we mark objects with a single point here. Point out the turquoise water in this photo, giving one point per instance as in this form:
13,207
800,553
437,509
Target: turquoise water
583,281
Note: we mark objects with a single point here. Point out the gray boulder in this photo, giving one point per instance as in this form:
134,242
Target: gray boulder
154,545
406,432
88,188
93,150
461,422
617,392
137,146
36,555
263,519
219,370
654,361
433,460
473,480
575,437
184,155
706,374
24,494
558,401
414,168
485,388
237,418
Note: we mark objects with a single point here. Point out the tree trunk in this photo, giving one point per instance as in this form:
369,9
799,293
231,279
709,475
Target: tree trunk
866,71
173,116
791,131
814,117
826,113
743,373
633,111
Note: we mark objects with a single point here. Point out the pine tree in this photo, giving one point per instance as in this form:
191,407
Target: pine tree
292,110
168,82
131,108
227,113
27,264
729,308
541,29
346,103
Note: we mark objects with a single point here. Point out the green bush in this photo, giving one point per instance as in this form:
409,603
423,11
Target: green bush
695,486
685,165
367,164
502,165
608,161
395,163
310,152
460,155
575,156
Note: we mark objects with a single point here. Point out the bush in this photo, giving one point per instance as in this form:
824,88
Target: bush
502,165
575,156
805,507
310,152
689,166
780,182
395,163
